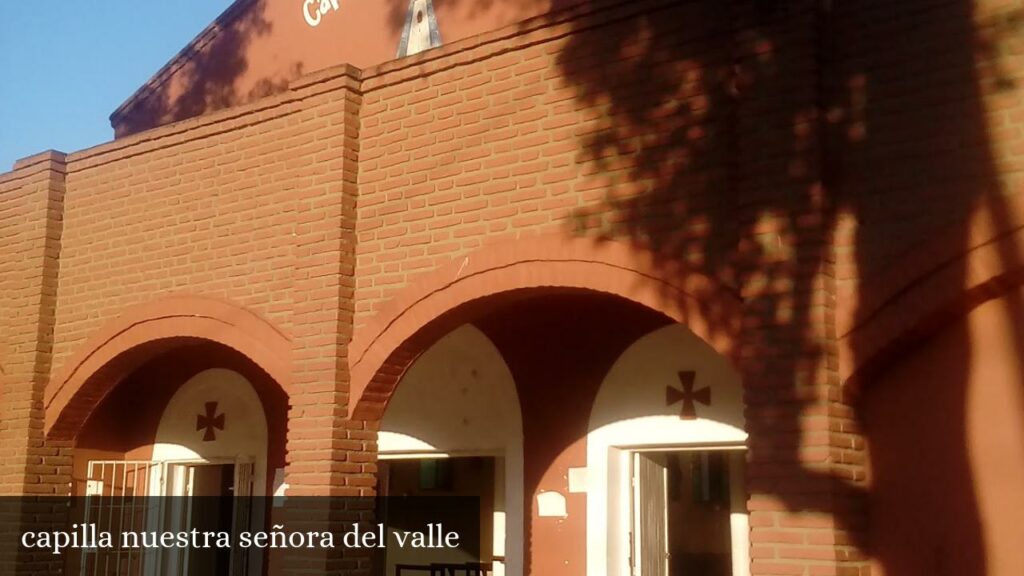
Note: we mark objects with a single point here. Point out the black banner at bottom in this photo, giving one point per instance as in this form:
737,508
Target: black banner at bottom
124,535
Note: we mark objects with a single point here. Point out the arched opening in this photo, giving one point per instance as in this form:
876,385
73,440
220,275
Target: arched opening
558,361
559,313
197,425
454,427
147,331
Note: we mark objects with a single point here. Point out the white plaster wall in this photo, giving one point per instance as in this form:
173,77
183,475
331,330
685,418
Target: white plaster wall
244,437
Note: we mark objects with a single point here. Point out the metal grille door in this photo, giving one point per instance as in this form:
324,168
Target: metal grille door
118,500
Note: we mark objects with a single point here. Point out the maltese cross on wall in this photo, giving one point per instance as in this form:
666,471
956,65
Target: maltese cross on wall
687,395
210,421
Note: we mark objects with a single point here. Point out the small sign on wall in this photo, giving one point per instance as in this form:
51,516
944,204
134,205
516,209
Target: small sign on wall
551,505
577,480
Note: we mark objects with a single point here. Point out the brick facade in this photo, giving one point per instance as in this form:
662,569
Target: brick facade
726,164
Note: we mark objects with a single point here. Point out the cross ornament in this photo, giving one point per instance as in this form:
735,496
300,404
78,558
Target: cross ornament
687,395
209,421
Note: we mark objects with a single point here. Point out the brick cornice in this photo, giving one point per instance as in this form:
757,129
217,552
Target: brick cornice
346,78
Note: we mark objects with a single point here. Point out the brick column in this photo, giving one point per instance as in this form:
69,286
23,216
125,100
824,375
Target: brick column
326,451
806,464
323,287
31,207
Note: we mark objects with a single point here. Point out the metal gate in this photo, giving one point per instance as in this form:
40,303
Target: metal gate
118,499
135,496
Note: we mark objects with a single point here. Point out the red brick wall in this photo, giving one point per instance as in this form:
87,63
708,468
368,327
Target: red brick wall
781,149
927,132
486,142
249,206
210,211
617,125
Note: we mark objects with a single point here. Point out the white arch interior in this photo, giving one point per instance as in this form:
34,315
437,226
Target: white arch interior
459,399
242,438
631,412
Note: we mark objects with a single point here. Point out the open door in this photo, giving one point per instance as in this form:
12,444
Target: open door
246,517
154,496
458,476
650,515
689,514
207,498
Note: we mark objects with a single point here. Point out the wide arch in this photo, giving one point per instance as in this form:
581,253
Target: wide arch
936,285
142,332
383,349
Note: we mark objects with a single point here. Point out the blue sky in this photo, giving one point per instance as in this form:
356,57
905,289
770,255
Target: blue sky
65,66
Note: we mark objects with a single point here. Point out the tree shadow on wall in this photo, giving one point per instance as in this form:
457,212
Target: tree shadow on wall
206,75
795,152
744,148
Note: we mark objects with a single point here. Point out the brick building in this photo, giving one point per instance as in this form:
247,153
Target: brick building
675,287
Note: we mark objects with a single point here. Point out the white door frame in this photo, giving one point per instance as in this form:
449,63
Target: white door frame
508,482
181,555
739,518
430,417
632,412
609,480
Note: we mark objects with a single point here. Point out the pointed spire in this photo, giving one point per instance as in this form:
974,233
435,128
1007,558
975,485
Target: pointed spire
420,32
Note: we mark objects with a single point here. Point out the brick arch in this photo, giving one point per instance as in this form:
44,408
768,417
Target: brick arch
936,285
144,331
440,300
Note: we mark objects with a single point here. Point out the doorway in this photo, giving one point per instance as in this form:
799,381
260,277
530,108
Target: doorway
684,510
208,505
458,403
476,478
151,496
